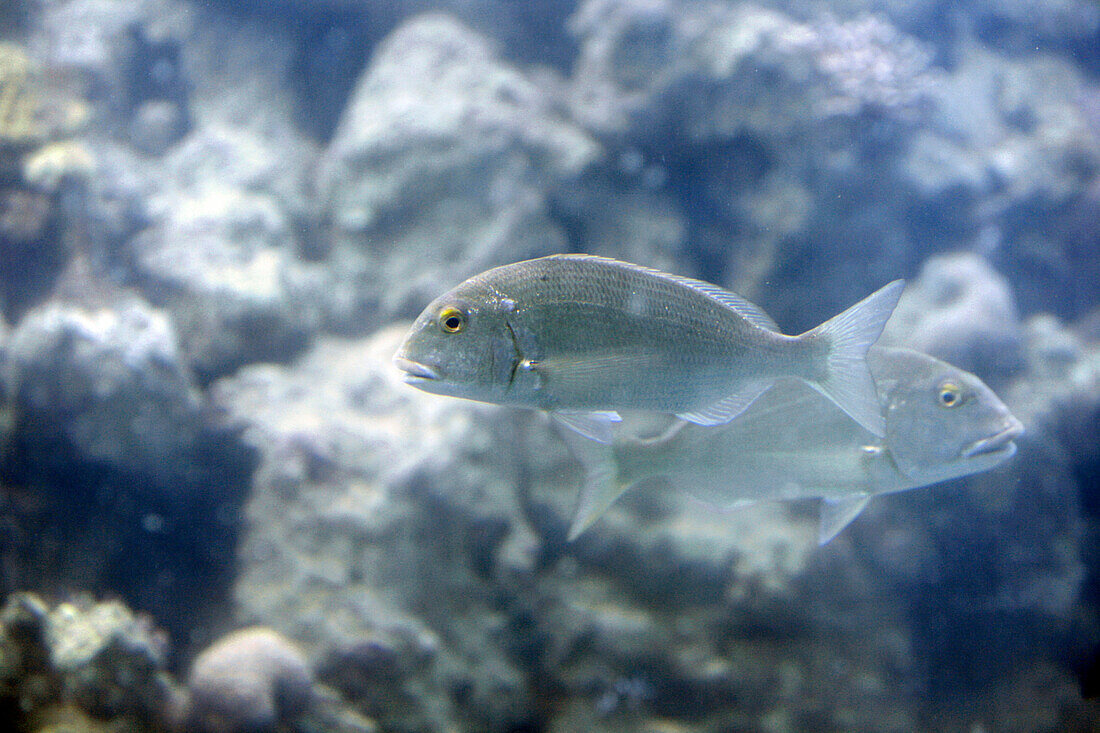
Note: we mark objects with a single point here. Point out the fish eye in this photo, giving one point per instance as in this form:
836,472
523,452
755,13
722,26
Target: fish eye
950,394
452,320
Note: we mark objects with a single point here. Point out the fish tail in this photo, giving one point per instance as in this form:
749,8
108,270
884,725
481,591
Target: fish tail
847,337
602,484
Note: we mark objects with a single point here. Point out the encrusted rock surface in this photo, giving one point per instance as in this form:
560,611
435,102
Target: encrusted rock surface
110,379
438,117
81,657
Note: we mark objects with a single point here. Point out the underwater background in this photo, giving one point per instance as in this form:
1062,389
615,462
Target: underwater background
221,510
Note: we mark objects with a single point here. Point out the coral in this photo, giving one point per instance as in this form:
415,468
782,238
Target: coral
19,105
82,660
108,658
866,63
46,167
248,681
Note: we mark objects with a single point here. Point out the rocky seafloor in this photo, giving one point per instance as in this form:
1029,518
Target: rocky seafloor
221,510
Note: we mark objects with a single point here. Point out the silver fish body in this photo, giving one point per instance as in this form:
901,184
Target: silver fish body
585,336
941,423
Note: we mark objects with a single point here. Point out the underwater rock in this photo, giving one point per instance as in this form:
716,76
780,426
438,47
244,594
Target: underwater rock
249,680
222,261
698,66
961,310
441,167
532,30
114,475
1008,166
197,203
360,481
741,107
91,39
96,660
646,58
221,246
110,379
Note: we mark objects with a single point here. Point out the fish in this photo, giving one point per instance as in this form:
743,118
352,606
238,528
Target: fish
941,423
585,337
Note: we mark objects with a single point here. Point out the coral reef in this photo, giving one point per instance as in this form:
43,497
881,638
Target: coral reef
212,214
116,477
743,106
18,105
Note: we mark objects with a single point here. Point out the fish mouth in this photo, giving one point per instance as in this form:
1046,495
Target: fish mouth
414,371
1001,441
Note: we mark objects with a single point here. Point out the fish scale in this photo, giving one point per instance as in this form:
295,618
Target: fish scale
669,330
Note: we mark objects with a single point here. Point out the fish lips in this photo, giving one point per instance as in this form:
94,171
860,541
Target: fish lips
416,373
998,442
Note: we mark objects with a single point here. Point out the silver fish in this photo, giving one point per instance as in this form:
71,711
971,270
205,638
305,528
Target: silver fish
585,336
941,423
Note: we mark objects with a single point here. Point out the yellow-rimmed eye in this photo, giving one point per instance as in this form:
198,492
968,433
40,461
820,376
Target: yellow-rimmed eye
949,394
452,320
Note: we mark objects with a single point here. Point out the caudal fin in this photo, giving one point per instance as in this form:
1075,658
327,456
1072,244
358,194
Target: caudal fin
848,381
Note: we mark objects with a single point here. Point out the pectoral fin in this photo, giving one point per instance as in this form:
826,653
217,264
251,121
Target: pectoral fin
601,485
592,425
599,492
836,514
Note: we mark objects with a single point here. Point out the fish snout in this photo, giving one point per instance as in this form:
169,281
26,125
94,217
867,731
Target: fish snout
414,371
999,441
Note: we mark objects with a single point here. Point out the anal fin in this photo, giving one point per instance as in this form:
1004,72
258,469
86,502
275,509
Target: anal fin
727,408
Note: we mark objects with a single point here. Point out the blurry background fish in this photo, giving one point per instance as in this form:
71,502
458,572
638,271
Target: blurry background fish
941,423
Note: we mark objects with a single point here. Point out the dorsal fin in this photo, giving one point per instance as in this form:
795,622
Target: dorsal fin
749,311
